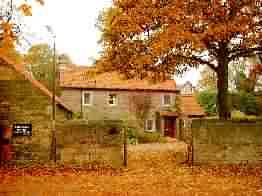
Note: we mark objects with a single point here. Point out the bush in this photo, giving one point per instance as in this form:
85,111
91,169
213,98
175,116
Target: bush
77,115
208,99
248,103
241,117
131,136
147,137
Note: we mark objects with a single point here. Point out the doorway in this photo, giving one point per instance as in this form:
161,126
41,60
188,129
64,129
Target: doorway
170,126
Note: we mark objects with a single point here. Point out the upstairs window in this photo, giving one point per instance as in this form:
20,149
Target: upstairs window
112,99
166,100
87,98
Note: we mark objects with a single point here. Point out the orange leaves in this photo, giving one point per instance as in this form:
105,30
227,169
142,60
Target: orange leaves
150,172
25,9
8,36
41,2
169,28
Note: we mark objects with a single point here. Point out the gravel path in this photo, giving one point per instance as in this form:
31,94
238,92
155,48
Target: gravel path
175,152
176,146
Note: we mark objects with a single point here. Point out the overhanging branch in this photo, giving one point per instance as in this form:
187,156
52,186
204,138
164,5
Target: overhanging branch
244,52
198,60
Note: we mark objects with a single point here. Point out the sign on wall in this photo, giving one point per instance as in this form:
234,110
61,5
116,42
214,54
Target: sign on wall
22,129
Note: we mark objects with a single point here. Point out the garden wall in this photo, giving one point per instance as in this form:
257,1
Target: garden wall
82,142
216,141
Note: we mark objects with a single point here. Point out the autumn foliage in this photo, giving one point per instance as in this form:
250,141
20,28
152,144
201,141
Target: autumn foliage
168,36
9,26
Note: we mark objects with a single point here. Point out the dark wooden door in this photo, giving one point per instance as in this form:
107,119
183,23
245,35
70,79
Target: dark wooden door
170,126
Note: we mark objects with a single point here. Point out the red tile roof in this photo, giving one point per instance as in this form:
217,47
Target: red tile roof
190,106
112,80
20,68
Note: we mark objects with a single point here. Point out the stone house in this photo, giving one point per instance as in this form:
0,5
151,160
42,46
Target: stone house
26,109
155,106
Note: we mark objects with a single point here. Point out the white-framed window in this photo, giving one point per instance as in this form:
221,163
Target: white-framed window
87,98
149,125
112,99
166,100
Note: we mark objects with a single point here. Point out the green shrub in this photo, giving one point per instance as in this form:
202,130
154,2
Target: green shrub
242,117
77,115
208,100
148,137
131,136
247,103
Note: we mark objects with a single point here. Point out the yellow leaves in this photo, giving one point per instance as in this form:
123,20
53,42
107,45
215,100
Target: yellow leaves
25,9
7,29
41,2
8,37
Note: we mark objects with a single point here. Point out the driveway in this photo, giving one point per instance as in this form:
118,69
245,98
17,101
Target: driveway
174,151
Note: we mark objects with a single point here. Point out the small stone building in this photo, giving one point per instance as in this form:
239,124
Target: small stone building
26,109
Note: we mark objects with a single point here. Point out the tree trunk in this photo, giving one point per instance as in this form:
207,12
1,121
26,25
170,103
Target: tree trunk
222,85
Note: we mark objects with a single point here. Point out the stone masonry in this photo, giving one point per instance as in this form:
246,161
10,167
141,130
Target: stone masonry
216,141
100,110
30,105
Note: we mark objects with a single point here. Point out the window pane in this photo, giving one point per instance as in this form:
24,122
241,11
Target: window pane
167,100
149,124
112,99
87,98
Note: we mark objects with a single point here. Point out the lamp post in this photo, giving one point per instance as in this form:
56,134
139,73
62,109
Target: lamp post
53,140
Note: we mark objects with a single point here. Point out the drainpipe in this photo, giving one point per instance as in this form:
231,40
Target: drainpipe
81,107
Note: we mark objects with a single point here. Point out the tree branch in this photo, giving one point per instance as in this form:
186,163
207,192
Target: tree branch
199,60
244,52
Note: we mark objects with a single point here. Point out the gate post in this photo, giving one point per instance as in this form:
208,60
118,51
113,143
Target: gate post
125,147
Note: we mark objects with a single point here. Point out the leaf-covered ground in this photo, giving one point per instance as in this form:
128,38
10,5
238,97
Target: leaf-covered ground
154,174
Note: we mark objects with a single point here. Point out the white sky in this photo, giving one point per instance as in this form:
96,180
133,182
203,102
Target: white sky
73,22
74,25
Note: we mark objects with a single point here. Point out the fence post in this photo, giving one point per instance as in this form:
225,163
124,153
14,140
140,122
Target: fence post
125,148
192,144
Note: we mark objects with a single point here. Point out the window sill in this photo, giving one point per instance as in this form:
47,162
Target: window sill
112,105
150,131
167,105
87,105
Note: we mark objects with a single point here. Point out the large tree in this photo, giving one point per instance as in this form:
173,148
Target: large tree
237,71
167,36
39,59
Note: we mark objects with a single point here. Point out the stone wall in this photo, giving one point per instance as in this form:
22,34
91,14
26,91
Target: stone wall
216,141
82,142
29,105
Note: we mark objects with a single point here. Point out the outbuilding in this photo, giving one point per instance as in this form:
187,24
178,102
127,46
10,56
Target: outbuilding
26,114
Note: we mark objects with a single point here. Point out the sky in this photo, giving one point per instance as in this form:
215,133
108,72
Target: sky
73,23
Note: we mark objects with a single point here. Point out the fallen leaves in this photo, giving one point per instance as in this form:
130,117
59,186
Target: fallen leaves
151,171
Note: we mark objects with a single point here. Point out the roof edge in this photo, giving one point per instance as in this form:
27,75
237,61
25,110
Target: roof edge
38,84
121,89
